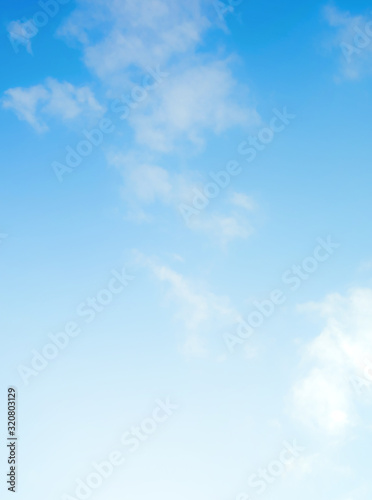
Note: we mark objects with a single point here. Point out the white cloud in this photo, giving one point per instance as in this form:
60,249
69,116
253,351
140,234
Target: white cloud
150,182
122,40
325,397
203,97
24,102
146,183
137,33
353,41
223,227
321,399
201,312
244,201
59,99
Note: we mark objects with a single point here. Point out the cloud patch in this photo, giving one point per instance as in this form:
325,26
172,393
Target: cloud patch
198,99
352,38
146,184
201,312
37,104
134,33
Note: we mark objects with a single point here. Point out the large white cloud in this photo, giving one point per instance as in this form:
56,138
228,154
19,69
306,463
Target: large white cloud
122,40
338,362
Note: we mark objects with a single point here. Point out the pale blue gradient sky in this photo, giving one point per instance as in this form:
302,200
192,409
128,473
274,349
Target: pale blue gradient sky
164,334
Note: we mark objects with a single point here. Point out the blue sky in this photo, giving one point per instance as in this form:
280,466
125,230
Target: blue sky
116,238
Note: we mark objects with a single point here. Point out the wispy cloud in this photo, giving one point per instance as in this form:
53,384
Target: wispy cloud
52,99
201,312
352,40
244,201
147,184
